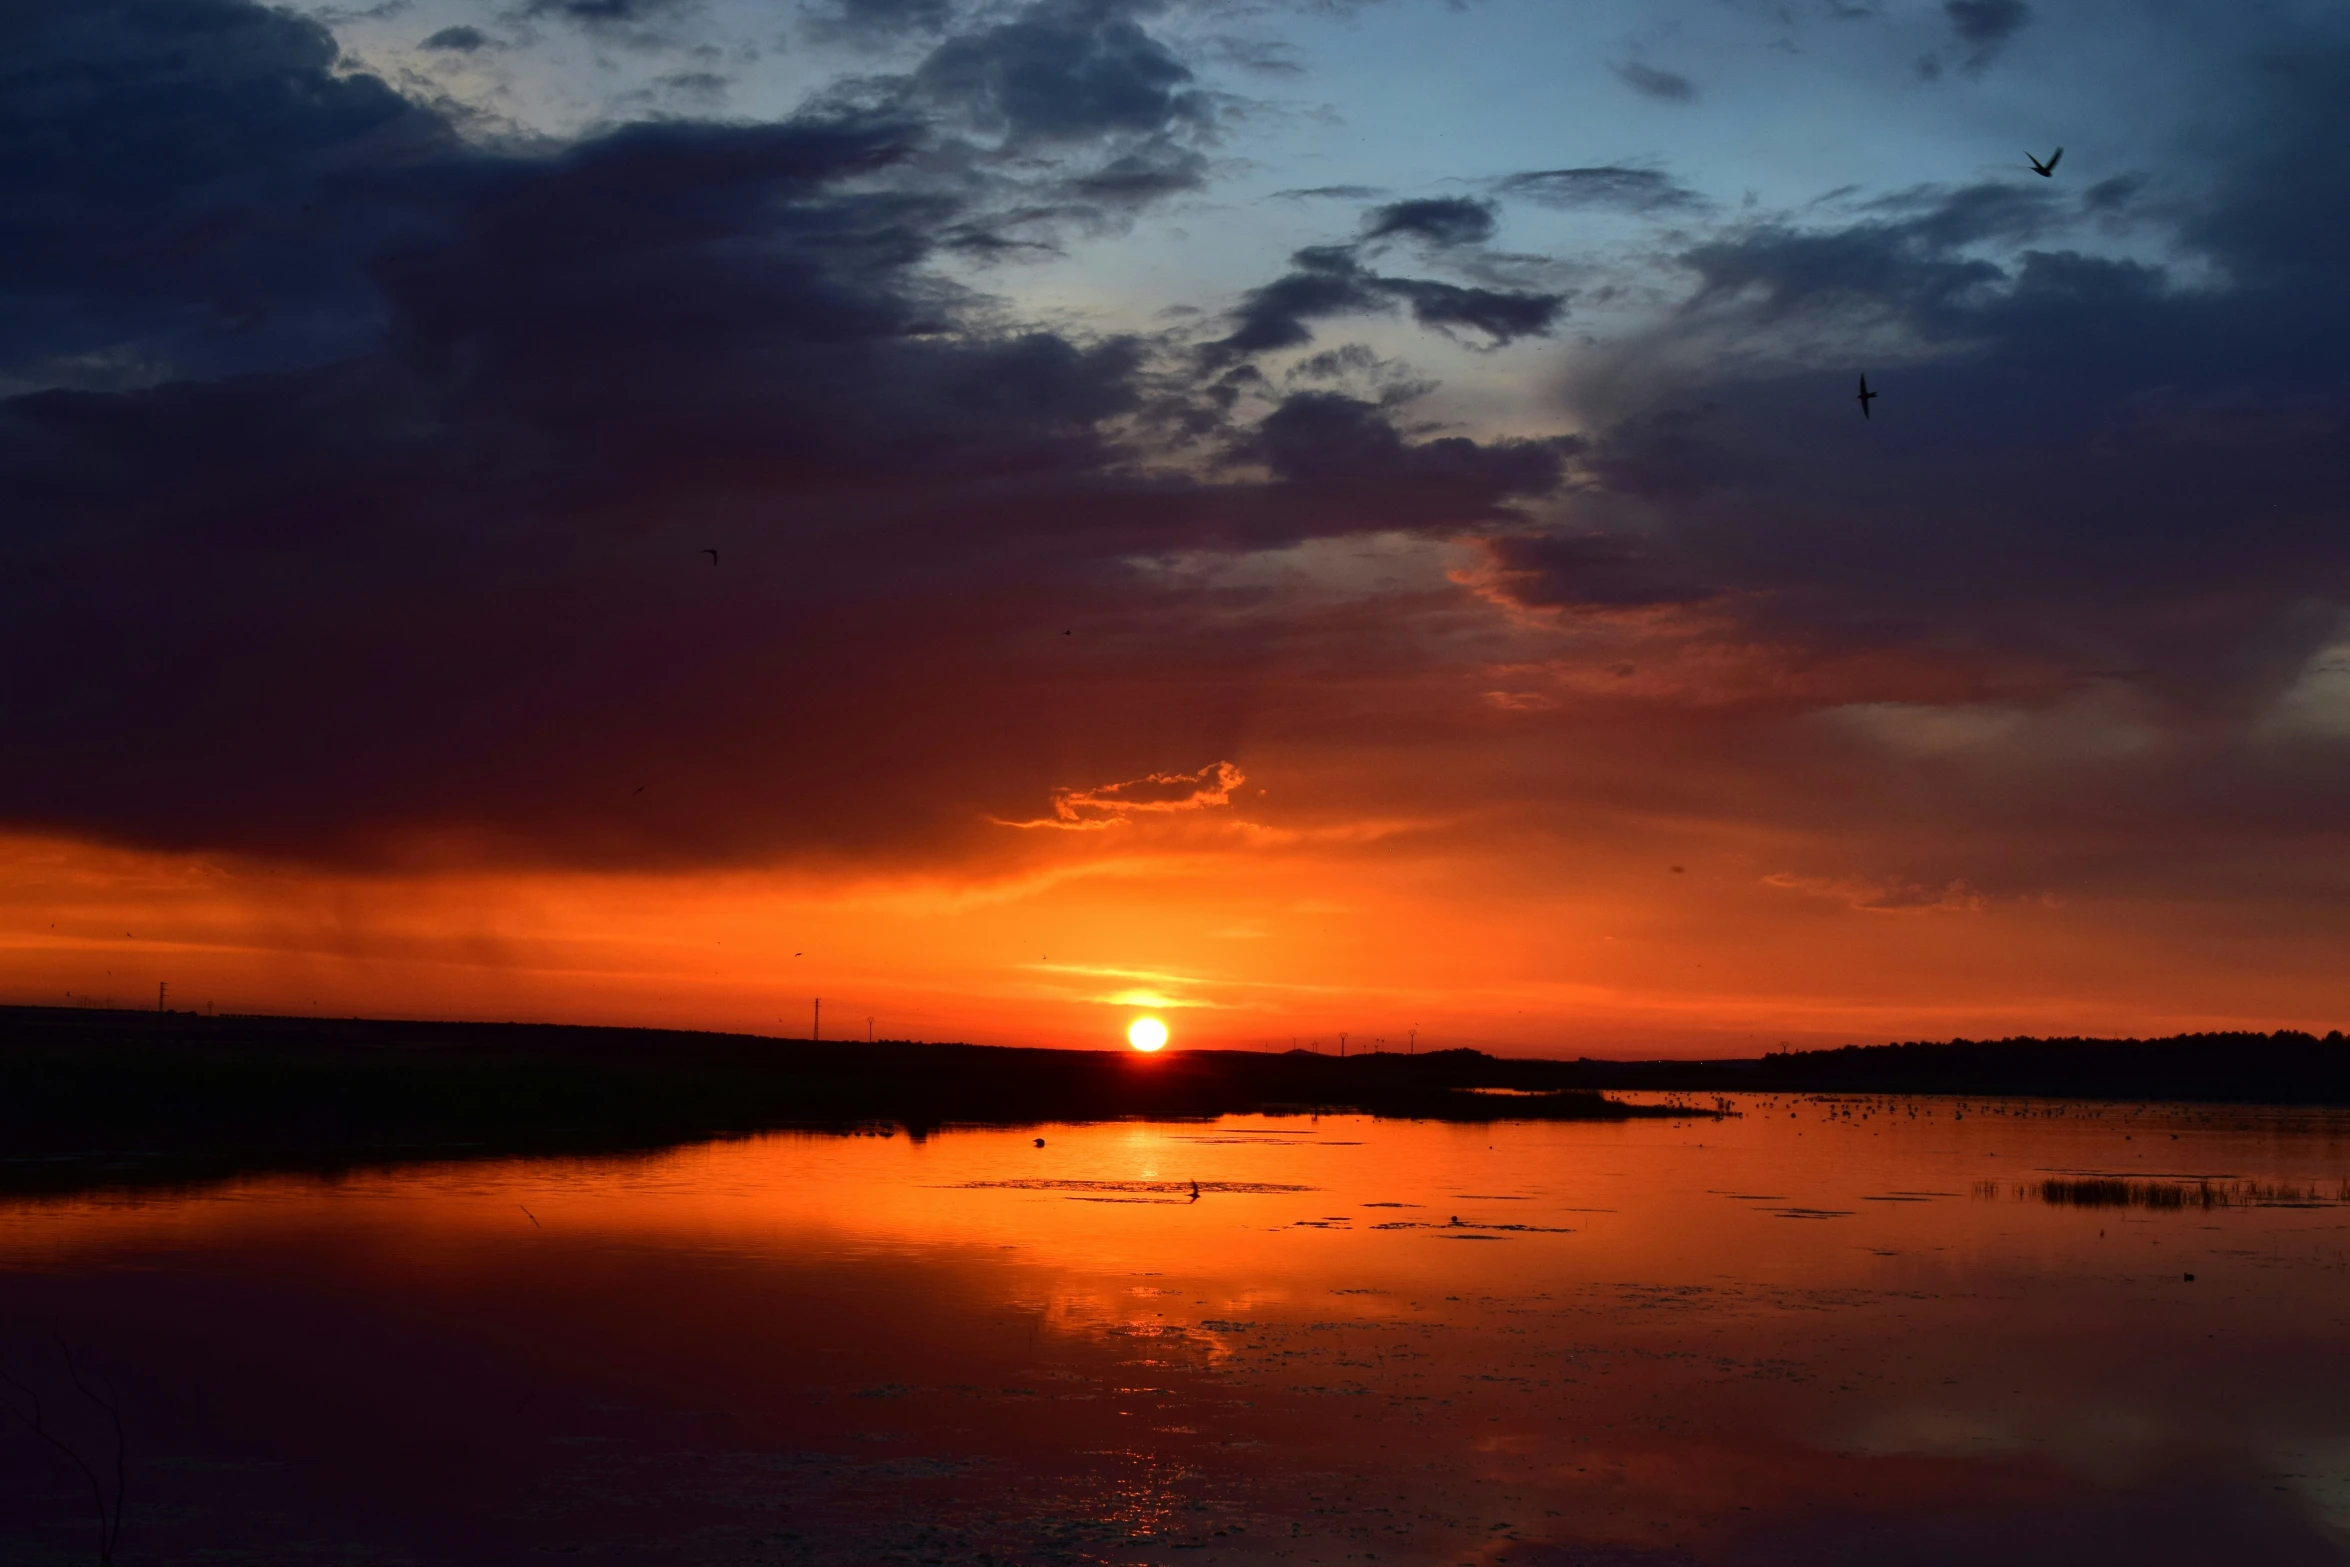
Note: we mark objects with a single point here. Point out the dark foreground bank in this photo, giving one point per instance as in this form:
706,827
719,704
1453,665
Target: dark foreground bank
95,1097
2283,1068
98,1097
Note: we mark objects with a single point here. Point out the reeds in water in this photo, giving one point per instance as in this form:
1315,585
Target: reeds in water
2109,1191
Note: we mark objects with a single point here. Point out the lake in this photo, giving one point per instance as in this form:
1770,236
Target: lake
1819,1331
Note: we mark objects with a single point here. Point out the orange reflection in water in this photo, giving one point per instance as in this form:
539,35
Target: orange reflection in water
1799,1334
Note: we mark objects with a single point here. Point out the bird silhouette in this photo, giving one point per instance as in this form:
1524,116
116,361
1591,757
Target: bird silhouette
713,554
1866,396
2044,170
640,789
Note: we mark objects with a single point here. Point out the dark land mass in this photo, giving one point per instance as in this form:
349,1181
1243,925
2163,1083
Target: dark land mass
93,1098
2284,1068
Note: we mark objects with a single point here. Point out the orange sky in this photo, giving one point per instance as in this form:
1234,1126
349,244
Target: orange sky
1238,933
1729,848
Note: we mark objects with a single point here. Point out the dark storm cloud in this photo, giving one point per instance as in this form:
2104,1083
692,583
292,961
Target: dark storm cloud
1329,280
1326,280
462,40
1502,315
1063,70
1670,454
1784,271
442,590
363,507
1447,220
1650,82
1584,571
2078,463
1631,190
178,190
2111,195
1150,173
1327,442
608,14
2281,220
878,21
1921,259
1983,27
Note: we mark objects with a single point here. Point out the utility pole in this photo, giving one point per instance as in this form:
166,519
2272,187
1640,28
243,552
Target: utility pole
161,989
1342,1046
1412,1046
869,1031
816,1022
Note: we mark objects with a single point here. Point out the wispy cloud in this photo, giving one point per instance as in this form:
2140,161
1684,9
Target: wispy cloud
1154,794
1886,895
1649,82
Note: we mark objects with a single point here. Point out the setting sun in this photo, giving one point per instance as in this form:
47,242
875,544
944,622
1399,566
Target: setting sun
1147,1034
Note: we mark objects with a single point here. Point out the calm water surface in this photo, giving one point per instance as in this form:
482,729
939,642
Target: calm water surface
1822,1332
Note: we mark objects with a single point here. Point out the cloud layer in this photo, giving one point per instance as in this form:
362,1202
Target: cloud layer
445,586
362,467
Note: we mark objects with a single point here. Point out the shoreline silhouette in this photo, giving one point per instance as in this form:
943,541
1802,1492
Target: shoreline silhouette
93,1098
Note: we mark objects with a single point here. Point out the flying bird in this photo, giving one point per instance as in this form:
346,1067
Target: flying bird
713,554
2044,170
1866,396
